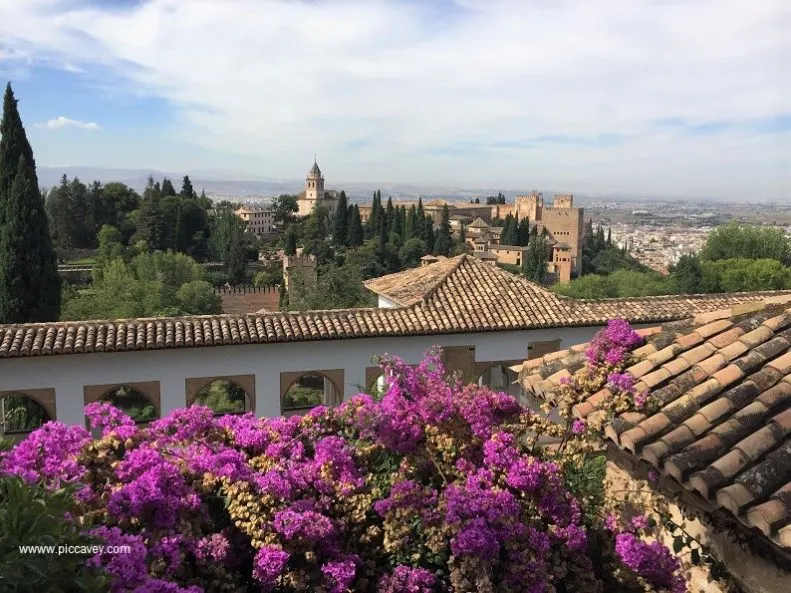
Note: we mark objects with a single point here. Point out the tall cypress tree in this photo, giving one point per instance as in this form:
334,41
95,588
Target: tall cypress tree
29,280
410,229
510,233
443,243
167,188
291,242
523,232
149,222
187,191
382,247
389,214
372,223
355,237
340,227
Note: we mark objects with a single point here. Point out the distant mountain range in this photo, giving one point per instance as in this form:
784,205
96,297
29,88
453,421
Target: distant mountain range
242,186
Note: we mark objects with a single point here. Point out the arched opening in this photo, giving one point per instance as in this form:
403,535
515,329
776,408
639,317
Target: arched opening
498,377
378,387
224,397
20,413
134,403
308,391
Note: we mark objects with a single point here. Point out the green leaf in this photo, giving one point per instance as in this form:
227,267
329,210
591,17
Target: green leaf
678,544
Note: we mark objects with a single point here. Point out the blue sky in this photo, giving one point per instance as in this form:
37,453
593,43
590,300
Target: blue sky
688,98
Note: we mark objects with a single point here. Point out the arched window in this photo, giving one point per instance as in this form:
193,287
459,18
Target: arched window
20,413
224,397
308,391
133,402
378,387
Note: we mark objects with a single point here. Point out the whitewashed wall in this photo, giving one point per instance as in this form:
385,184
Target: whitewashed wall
68,374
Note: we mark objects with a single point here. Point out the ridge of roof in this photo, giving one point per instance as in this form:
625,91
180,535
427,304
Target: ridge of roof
459,295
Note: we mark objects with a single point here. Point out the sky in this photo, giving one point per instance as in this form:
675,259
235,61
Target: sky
655,97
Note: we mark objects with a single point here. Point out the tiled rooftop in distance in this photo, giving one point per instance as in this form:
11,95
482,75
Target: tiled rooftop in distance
456,295
723,431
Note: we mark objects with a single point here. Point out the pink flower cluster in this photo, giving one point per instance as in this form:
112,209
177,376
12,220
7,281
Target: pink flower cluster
429,486
610,345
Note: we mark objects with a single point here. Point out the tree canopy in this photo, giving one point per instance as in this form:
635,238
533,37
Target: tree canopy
747,241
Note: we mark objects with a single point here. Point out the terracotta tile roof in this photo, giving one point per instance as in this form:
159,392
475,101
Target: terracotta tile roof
723,430
455,295
408,287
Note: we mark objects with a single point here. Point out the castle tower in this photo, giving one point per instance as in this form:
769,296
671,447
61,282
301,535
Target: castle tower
303,266
529,206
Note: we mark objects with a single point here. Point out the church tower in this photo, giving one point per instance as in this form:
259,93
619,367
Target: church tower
314,191
314,183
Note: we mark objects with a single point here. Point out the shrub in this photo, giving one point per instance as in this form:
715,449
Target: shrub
435,487
33,515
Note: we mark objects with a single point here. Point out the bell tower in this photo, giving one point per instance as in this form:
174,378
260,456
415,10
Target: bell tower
314,183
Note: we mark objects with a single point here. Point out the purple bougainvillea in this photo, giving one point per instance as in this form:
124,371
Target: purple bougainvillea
433,488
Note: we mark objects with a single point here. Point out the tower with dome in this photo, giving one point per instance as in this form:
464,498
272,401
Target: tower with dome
315,194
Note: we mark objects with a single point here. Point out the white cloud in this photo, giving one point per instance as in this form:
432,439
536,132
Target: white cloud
63,122
280,80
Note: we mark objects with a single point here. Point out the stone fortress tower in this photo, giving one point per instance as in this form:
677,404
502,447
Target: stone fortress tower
303,266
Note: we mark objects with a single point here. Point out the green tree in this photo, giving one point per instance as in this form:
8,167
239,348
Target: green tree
389,214
397,228
152,284
198,297
236,264
411,252
510,232
337,287
167,188
523,232
59,211
375,216
30,286
285,209
282,297
227,244
356,235
733,241
340,227
411,227
366,261
117,202
591,286
535,263
443,243
687,274
744,275
110,244
291,242
149,224
187,191
170,269
461,241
